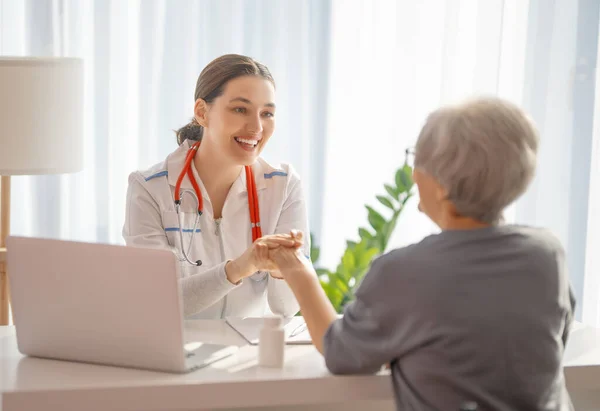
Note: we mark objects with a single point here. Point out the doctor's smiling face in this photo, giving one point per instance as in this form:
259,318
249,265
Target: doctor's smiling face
239,122
234,110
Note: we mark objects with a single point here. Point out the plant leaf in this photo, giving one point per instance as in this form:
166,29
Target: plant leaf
399,179
342,273
326,286
361,247
367,257
386,202
390,228
392,191
406,177
315,253
375,219
373,243
364,234
334,294
348,261
381,236
342,285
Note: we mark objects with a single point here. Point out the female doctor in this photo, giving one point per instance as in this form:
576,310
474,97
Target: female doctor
213,198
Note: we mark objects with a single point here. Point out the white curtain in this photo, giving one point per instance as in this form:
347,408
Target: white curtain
393,62
591,295
142,59
559,92
356,79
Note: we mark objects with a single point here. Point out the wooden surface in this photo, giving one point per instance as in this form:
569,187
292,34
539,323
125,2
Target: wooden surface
4,232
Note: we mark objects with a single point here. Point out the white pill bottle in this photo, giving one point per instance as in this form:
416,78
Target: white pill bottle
271,343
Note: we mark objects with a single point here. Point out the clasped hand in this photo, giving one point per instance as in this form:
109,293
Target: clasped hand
282,256
279,254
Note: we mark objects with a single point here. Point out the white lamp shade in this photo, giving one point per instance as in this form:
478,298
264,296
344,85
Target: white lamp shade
41,115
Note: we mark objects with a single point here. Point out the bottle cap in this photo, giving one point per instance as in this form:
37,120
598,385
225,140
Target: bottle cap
275,321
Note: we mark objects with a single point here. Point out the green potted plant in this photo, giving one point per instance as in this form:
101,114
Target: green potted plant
341,283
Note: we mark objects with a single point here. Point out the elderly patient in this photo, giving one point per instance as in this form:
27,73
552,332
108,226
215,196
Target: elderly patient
479,312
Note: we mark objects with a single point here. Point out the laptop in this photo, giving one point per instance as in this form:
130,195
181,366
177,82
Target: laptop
102,304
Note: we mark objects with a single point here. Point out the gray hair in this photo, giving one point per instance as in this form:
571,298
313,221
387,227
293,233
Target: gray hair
483,152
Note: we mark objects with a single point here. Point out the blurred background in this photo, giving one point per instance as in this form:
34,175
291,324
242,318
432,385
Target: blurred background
355,81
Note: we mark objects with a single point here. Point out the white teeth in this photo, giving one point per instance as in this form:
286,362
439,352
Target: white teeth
249,142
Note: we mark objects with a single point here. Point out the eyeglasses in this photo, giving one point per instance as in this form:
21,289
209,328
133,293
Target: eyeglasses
409,158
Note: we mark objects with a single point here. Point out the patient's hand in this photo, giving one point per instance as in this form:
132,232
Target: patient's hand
291,262
287,259
265,244
256,257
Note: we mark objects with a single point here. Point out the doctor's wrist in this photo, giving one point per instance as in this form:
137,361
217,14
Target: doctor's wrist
236,271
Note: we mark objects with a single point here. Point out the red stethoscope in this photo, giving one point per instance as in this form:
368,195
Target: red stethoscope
252,201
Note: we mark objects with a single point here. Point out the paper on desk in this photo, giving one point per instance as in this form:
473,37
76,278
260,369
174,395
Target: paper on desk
249,329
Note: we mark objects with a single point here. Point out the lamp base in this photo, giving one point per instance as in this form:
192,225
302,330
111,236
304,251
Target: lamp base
4,299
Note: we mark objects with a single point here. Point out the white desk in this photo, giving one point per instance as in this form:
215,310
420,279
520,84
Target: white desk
234,383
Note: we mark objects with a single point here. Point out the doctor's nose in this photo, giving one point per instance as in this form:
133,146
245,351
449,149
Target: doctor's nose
254,125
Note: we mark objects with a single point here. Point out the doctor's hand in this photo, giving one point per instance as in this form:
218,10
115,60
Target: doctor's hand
256,257
290,262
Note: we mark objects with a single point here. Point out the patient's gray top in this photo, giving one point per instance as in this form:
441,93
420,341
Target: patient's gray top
475,315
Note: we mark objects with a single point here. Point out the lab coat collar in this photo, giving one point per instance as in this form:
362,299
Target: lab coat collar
176,160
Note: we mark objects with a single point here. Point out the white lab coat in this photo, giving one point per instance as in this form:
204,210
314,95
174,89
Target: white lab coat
151,221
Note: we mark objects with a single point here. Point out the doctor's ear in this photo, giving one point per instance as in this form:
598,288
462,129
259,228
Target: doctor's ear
200,111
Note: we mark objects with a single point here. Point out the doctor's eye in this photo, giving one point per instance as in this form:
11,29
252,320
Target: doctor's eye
268,114
241,110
